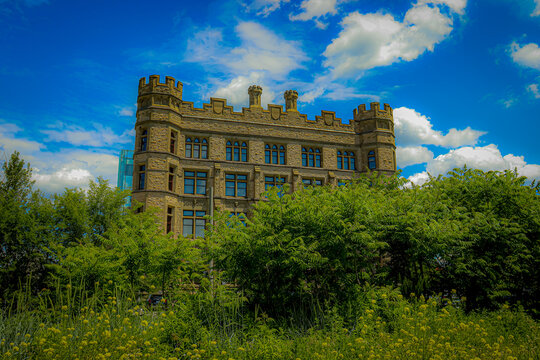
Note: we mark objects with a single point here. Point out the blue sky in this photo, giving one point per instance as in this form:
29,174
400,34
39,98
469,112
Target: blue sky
463,76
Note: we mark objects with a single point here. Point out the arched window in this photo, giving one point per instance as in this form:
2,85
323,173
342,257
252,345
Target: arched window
274,154
372,162
346,160
196,148
311,157
236,151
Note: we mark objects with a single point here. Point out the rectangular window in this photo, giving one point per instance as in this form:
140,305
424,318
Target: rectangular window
236,185
142,176
172,145
171,178
144,140
274,154
312,182
195,182
169,219
346,160
196,148
193,223
236,151
271,181
311,157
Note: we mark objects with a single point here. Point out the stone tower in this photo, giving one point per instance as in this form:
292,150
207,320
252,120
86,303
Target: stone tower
377,142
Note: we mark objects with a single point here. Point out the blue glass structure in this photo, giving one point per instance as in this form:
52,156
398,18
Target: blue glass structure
125,172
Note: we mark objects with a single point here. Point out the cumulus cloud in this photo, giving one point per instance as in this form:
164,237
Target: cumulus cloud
61,167
76,135
260,50
419,178
236,90
411,155
526,55
484,158
316,9
413,128
378,39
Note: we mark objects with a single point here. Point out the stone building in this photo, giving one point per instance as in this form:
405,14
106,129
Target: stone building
189,161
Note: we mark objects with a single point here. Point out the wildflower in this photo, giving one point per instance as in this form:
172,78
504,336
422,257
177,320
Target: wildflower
64,307
241,349
110,282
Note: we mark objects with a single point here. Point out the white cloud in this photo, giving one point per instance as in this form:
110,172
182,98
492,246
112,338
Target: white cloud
265,7
62,167
420,178
526,55
413,128
484,158
236,90
260,50
411,155
323,87
9,143
378,39
76,135
315,9
126,111
456,5
533,88
536,11
508,103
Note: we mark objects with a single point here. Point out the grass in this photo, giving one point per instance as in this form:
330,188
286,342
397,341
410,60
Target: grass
110,325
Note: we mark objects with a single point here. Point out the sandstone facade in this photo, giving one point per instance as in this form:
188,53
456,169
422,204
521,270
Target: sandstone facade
164,157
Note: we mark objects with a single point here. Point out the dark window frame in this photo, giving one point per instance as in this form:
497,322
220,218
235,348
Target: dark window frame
236,150
311,157
198,178
144,140
372,160
275,154
142,177
196,147
346,160
192,222
236,185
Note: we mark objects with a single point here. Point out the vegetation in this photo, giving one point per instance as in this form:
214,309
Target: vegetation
374,269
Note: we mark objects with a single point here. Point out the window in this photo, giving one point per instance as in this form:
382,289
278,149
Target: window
240,215
195,182
236,185
172,145
311,157
144,140
142,176
236,151
312,182
196,148
271,181
372,162
171,178
346,160
169,219
342,182
193,223
274,154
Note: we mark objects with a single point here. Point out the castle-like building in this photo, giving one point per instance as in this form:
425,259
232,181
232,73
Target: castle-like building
190,161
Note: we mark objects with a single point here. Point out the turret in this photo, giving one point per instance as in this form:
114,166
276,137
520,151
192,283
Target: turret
290,100
154,86
375,129
255,92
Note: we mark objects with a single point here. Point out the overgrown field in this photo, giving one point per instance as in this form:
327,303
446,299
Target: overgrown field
202,325
322,273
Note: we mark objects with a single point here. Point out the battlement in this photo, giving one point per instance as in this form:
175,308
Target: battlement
375,111
154,86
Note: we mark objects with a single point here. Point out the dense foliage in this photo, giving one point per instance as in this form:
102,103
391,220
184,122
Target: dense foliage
373,269
472,231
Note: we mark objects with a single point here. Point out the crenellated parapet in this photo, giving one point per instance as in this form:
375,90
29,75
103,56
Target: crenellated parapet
155,87
361,113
